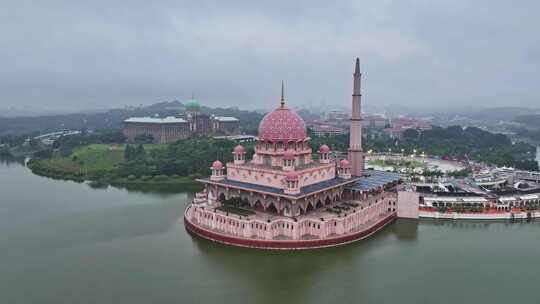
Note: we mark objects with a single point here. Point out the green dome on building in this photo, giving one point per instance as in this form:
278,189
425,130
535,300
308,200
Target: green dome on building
192,104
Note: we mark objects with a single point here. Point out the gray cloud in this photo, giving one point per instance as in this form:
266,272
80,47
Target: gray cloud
100,54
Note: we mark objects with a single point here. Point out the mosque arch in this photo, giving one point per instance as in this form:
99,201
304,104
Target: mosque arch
319,204
285,211
327,201
309,207
244,202
254,198
245,198
258,206
272,208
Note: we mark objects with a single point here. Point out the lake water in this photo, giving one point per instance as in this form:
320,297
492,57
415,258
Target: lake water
63,242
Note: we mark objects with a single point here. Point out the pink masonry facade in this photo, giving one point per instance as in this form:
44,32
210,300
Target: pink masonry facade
408,204
242,229
288,244
287,198
276,178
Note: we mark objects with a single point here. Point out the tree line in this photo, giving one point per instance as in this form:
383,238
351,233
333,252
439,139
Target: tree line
454,141
185,157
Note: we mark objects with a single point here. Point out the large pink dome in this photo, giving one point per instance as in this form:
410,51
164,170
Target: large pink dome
282,124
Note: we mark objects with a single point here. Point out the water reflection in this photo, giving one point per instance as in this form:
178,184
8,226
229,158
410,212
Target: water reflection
285,275
476,224
293,275
7,160
163,190
102,225
405,229
160,188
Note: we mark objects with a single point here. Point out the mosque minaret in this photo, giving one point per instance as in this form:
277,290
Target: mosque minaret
356,156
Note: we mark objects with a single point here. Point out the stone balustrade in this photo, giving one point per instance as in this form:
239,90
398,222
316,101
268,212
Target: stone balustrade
304,227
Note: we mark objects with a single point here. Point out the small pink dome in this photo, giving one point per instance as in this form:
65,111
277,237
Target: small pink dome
217,165
289,154
344,163
239,149
324,149
282,124
291,176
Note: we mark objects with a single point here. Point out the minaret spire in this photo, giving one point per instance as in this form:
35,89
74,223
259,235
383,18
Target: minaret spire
282,94
356,156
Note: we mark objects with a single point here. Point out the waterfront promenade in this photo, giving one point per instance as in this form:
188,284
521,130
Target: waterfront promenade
511,215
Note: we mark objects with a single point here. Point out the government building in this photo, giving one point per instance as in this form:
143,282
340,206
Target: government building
192,124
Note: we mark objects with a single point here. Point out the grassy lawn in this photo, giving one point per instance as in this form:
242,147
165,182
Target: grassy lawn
400,164
93,158
150,147
90,158
99,163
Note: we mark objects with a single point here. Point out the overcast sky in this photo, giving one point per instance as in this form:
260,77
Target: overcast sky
103,54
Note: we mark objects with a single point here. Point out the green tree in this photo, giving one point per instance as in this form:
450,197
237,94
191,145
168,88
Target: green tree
129,153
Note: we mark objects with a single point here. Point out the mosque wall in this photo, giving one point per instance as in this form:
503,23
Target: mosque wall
276,178
302,228
408,204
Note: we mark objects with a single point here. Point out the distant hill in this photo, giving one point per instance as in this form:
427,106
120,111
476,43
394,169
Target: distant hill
112,119
27,112
498,113
481,114
529,120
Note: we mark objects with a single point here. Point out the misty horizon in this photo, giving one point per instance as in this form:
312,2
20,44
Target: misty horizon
70,57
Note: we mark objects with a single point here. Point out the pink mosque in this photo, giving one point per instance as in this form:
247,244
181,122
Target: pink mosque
295,200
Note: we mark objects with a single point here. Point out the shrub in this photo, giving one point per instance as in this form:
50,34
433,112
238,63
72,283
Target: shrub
161,177
97,185
98,174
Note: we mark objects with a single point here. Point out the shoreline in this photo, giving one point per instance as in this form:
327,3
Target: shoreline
120,181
